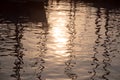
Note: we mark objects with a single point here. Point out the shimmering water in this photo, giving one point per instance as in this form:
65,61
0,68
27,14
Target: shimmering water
62,40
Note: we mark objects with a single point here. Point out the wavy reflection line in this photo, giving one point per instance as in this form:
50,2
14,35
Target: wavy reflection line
70,63
109,51
108,47
39,63
114,33
18,52
97,44
106,60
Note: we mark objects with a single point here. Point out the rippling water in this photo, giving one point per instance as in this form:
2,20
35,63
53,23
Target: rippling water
68,40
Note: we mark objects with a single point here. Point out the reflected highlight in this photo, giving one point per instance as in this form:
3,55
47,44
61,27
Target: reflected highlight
58,22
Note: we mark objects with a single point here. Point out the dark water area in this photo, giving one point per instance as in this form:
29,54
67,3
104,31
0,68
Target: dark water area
60,40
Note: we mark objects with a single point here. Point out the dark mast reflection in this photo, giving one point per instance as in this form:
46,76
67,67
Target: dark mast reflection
110,44
97,44
18,52
106,53
71,27
109,39
42,48
20,14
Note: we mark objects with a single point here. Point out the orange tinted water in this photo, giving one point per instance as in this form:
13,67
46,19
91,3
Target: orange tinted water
80,42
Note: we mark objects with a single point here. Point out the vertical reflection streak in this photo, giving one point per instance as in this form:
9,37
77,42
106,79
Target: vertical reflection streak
18,50
58,31
39,63
71,27
106,45
97,44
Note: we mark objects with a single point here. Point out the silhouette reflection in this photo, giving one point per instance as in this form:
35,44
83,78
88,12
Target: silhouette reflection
106,54
39,63
32,50
11,12
97,45
110,45
70,63
104,45
18,52
14,17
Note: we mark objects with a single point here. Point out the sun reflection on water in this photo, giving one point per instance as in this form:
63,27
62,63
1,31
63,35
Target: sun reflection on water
59,34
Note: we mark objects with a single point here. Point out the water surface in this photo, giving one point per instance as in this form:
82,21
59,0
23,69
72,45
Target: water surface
65,40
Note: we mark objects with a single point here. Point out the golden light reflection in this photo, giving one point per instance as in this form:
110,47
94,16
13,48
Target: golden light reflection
59,33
